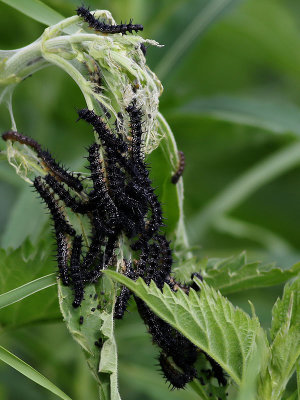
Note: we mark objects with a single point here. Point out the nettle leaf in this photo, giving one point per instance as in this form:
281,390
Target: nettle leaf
285,353
17,268
282,308
207,319
235,274
96,312
298,380
285,348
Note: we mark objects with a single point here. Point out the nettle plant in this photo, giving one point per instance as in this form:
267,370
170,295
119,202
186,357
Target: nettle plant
113,243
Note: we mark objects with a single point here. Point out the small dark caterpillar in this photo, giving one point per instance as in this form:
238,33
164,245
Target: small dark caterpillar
108,139
124,296
76,273
58,171
153,225
143,48
179,172
135,115
60,222
46,158
65,195
177,379
100,194
62,257
95,24
99,343
217,371
122,302
18,137
194,284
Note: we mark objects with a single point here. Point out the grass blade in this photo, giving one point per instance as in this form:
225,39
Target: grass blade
273,116
37,10
26,370
26,290
242,188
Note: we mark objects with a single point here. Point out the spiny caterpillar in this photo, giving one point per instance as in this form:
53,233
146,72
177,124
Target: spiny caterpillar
181,166
47,160
102,27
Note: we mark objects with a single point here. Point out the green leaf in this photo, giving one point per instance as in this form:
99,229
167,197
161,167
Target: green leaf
298,380
235,274
97,324
285,354
207,15
270,115
23,224
285,348
209,320
17,268
248,388
30,372
282,309
36,10
26,290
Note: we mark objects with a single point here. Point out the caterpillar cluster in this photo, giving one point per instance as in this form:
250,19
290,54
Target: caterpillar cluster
120,202
98,26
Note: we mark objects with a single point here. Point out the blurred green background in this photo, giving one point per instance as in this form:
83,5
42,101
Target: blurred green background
231,77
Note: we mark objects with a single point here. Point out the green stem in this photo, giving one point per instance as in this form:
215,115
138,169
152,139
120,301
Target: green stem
244,186
22,63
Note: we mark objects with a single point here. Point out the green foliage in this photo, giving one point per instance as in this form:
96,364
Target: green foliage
97,326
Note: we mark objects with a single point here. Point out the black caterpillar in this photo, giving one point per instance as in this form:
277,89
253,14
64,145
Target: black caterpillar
47,160
181,166
102,27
